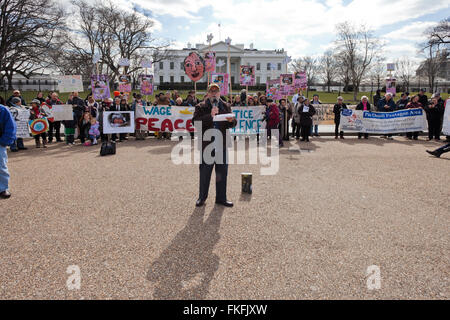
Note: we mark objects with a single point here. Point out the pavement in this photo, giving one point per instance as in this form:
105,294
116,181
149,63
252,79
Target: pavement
129,223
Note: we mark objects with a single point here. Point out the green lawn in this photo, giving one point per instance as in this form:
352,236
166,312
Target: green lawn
325,97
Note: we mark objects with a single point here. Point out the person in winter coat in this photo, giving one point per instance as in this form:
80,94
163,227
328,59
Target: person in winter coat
35,113
338,107
285,115
273,120
16,104
7,136
433,111
16,94
401,104
316,117
423,98
296,117
54,126
387,104
377,98
414,104
306,111
364,105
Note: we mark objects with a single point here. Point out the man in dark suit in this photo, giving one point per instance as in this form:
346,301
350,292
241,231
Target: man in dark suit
205,112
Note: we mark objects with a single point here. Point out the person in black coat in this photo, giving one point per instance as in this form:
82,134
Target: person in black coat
204,113
119,105
423,99
337,117
306,112
434,119
364,105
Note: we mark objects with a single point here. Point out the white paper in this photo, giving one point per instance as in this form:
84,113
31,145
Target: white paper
305,109
223,117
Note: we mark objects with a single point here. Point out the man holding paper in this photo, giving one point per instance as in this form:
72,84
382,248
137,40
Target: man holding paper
214,113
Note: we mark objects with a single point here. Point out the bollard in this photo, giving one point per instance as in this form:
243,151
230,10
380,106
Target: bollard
247,182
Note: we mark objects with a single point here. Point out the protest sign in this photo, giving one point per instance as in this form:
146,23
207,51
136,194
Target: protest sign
118,122
391,67
194,66
164,118
390,86
38,126
21,116
446,123
146,82
408,120
300,80
100,86
125,83
62,112
221,79
249,119
146,64
124,62
273,88
70,83
247,76
210,61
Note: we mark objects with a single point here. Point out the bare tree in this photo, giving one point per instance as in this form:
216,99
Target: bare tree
378,70
328,68
112,33
309,65
405,71
27,31
440,34
358,47
343,71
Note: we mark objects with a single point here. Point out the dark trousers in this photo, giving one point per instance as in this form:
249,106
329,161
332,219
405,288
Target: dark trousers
360,134
444,149
42,135
18,144
55,125
305,131
121,136
297,130
412,135
221,179
336,130
294,128
434,128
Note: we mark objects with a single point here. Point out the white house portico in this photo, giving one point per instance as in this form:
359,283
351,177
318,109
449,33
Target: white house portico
171,71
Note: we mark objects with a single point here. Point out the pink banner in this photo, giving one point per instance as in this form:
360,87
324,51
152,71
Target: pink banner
221,79
300,80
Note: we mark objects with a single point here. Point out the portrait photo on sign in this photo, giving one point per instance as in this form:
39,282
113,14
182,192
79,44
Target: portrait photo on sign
194,66
118,122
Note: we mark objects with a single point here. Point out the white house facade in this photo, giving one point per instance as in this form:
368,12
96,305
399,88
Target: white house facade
172,71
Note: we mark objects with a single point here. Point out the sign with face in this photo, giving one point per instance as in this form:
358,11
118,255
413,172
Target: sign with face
146,84
100,86
300,80
247,76
194,66
125,83
221,79
210,61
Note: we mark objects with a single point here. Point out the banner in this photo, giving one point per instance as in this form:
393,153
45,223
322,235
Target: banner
38,126
100,86
210,61
118,122
22,117
408,120
70,83
446,123
249,119
300,80
221,79
125,83
146,82
61,112
164,118
247,76
390,86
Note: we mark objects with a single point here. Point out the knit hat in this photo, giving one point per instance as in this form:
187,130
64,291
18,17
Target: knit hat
15,100
36,101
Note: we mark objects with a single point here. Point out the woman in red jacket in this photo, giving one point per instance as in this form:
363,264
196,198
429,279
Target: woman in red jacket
413,104
274,121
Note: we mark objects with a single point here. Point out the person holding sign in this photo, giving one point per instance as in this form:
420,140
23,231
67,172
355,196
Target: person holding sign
206,112
35,113
338,107
306,111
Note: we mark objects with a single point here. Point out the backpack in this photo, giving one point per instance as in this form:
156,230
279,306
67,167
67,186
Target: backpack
107,148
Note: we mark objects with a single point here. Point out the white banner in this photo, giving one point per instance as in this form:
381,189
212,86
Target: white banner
249,119
21,116
62,112
118,122
446,124
408,120
70,83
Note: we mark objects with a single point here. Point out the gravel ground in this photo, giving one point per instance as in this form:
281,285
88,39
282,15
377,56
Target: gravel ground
310,232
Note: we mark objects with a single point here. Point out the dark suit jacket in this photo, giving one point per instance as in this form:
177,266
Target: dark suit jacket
203,113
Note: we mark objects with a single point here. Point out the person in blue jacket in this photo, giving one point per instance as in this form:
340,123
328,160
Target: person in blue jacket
7,137
387,104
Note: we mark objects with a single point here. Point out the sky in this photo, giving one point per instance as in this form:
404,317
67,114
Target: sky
301,27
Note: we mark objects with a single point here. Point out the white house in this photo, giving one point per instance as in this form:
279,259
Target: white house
172,71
